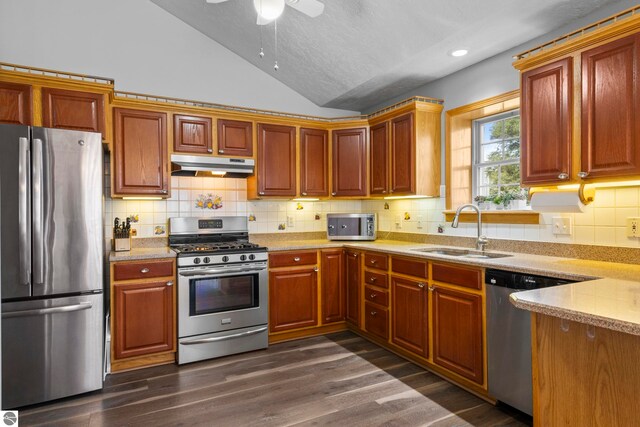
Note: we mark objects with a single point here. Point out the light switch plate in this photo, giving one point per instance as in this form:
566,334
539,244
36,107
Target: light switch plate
290,221
632,227
561,226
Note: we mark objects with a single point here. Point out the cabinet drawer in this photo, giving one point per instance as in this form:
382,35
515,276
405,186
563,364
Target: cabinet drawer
410,267
292,259
376,279
376,261
376,296
469,278
142,270
376,320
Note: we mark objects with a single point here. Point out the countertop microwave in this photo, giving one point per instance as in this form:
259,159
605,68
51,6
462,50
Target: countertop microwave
345,226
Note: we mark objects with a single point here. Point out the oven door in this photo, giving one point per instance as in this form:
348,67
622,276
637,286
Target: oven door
221,298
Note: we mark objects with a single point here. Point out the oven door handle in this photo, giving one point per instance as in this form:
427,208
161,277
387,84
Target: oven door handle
226,337
221,271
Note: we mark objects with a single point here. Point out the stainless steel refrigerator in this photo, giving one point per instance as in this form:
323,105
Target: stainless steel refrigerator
51,271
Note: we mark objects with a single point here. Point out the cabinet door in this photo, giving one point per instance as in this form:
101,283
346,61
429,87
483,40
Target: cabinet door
352,274
546,123
314,163
143,318
235,138
293,299
349,162
15,103
403,155
191,134
611,109
276,160
333,289
69,109
457,330
140,153
409,313
379,159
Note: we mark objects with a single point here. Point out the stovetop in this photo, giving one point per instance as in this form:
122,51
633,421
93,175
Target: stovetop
202,248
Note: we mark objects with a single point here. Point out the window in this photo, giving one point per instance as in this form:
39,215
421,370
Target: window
496,154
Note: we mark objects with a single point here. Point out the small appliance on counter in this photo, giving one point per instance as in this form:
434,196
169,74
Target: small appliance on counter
355,226
121,235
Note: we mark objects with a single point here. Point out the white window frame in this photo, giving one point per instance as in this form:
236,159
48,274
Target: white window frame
477,152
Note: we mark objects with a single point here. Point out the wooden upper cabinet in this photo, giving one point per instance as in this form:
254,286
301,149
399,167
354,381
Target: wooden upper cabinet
349,162
15,104
314,162
276,164
379,159
69,109
611,109
191,134
140,153
457,330
546,111
403,155
235,138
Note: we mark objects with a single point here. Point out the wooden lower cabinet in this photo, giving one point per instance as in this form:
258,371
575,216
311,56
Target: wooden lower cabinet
457,332
409,313
333,290
376,320
352,276
143,318
293,299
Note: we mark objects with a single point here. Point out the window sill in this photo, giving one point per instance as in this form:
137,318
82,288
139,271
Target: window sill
497,217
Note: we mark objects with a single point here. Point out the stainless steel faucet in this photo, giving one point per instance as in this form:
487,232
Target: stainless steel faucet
482,240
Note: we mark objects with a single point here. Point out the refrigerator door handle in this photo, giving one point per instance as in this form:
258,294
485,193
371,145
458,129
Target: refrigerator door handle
38,219
45,311
24,212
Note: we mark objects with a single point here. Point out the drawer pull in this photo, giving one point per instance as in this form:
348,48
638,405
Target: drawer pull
144,270
374,295
373,261
373,313
373,279
421,285
170,283
297,259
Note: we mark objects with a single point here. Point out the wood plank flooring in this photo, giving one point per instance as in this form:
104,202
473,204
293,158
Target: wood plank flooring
339,379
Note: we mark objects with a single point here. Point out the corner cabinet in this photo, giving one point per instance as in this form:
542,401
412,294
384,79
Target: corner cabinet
349,162
140,157
276,163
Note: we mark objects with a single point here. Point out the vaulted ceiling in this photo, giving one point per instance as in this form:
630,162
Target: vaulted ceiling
361,52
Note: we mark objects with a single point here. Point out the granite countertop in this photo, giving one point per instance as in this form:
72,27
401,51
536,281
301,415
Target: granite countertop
608,294
142,253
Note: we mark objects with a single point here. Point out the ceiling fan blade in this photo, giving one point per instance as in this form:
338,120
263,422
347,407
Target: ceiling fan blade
312,8
216,1
262,21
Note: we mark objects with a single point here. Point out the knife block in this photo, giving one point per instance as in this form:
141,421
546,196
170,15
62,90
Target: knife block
122,244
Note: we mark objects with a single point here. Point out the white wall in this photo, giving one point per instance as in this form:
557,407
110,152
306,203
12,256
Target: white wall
142,47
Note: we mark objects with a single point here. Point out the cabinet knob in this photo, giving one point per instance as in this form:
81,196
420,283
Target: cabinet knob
373,313
170,283
333,194
421,285
431,288
164,191
297,259
304,194
390,191
144,270
583,175
563,175
315,269
261,193
384,191
373,279
210,150
354,255
373,261
374,295
221,151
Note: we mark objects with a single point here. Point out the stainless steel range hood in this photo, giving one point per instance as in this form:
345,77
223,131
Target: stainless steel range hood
187,165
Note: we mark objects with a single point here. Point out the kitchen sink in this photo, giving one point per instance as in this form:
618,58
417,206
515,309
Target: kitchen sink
464,253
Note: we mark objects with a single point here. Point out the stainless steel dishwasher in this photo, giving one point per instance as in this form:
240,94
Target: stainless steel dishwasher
509,337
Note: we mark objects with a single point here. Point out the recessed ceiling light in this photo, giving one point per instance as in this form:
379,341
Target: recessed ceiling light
459,52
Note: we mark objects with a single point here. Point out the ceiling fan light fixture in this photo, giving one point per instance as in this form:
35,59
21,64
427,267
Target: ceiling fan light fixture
269,9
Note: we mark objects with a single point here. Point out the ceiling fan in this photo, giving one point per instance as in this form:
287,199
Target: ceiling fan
268,10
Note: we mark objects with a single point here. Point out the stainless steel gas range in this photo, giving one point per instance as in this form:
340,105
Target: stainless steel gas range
222,288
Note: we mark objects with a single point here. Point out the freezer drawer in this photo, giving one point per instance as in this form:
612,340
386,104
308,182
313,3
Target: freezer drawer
51,349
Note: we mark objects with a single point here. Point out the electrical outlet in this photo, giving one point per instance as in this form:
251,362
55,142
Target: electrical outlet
398,222
561,226
632,227
290,221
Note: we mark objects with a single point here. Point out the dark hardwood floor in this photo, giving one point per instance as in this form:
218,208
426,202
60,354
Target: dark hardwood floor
339,379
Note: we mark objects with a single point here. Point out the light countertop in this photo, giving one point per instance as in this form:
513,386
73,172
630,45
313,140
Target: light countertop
142,253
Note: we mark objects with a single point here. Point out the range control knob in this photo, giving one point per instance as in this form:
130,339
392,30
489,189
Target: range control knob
225,259
252,257
206,260
243,257
196,260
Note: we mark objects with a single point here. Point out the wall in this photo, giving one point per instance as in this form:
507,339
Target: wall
142,47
